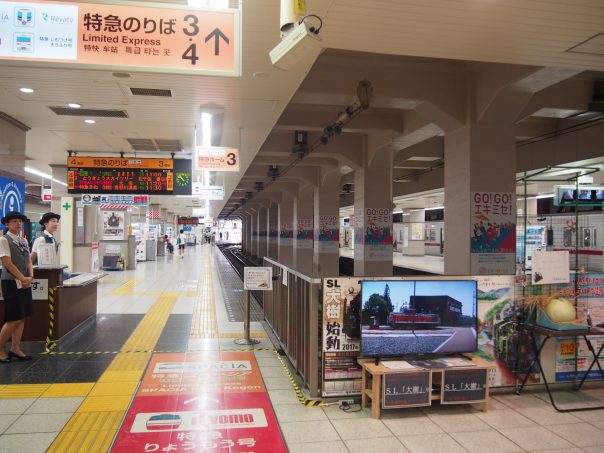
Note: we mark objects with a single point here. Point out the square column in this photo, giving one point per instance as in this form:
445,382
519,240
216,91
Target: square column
273,231
480,199
303,240
326,253
373,217
286,231
254,235
262,232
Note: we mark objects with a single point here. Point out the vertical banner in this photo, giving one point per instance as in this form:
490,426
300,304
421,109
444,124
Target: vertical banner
66,231
329,234
378,234
590,306
94,257
493,233
341,336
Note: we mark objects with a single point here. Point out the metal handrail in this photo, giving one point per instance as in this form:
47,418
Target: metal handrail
315,281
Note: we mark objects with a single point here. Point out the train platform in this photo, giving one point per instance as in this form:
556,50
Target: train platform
425,263
157,370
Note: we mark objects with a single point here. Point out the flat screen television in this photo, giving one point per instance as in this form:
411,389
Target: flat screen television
418,317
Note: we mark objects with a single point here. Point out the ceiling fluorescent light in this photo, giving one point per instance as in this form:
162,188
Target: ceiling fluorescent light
37,173
206,129
424,158
436,207
219,4
59,182
397,212
547,195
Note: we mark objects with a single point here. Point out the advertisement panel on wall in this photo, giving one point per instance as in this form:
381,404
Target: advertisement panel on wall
113,225
204,41
493,233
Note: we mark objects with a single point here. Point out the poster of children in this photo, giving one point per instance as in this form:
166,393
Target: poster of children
113,225
378,234
493,235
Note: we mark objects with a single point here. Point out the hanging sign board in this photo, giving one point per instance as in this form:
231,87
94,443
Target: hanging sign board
46,195
214,158
119,175
258,278
550,267
129,200
202,41
215,193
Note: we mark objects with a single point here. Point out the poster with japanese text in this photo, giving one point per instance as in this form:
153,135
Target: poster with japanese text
204,41
329,234
113,225
493,233
286,234
378,234
590,303
341,336
304,234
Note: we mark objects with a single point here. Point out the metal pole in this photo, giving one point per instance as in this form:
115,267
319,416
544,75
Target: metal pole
246,340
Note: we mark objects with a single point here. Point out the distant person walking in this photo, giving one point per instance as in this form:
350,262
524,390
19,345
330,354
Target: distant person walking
181,241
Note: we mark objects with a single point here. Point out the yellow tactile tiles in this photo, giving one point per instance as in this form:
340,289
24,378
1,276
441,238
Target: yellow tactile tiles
45,390
125,289
204,324
99,416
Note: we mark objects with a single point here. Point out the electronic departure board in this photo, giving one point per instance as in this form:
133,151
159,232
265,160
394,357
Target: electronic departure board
110,175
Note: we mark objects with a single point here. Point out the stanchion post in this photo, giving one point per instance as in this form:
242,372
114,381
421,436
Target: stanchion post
246,315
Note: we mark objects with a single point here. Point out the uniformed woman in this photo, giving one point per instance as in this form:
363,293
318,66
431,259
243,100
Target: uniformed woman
17,272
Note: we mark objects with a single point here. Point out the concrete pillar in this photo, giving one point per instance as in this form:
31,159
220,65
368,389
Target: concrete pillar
326,254
286,231
480,173
254,234
273,231
304,226
263,232
245,233
373,216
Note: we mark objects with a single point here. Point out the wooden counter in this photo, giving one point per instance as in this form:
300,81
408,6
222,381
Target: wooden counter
75,300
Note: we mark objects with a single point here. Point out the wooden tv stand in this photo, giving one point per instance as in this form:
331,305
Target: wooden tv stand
464,385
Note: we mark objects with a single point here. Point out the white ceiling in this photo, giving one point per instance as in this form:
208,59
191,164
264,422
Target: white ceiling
534,32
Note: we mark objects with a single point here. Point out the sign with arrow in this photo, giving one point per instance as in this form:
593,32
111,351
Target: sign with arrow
205,41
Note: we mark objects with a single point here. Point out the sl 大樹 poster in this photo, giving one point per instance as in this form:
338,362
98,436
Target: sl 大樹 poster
341,336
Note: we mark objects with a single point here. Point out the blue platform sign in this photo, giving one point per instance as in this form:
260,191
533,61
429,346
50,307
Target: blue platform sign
12,196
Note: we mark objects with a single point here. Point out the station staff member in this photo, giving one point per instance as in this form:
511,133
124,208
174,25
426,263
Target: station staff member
17,272
50,222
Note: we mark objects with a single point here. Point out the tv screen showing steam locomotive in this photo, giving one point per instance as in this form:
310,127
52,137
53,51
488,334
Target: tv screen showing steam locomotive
400,317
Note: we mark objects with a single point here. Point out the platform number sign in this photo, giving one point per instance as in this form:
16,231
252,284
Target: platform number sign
215,158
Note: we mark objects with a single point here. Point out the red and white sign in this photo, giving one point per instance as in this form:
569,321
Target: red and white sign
115,207
210,402
46,195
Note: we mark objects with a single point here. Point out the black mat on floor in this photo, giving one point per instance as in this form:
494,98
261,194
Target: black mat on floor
175,335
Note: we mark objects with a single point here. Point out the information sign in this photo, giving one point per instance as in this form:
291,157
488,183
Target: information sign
204,41
90,175
214,158
258,278
468,385
551,267
408,389
215,193
39,289
47,255
129,200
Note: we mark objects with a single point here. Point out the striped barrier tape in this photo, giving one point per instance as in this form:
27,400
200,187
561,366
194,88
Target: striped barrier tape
50,344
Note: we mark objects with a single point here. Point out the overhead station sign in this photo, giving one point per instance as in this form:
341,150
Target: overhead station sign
215,158
106,175
204,41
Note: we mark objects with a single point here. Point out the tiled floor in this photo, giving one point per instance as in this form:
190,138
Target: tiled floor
77,402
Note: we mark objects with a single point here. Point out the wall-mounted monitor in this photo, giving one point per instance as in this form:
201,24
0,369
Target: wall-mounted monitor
408,317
